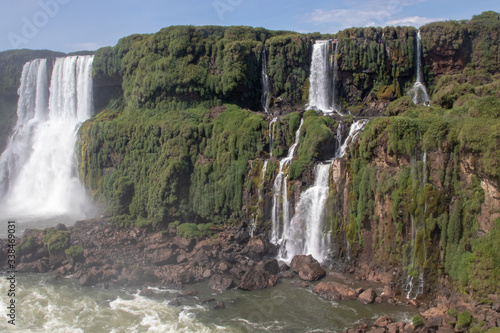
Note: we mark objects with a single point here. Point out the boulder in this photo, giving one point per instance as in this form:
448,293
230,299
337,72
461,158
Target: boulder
237,272
220,282
270,266
334,291
256,248
307,267
383,321
256,279
368,296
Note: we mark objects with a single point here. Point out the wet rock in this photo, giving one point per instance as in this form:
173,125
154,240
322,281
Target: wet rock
334,291
146,292
300,284
242,237
208,300
220,282
270,266
256,248
219,306
287,275
368,296
257,279
237,272
284,268
175,302
383,321
377,330
307,267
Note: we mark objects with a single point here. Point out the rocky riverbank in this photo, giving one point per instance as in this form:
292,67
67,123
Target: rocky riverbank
96,253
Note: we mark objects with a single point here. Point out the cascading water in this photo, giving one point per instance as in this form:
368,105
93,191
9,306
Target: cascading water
280,195
266,84
271,135
39,173
335,82
418,93
253,220
320,79
306,232
324,78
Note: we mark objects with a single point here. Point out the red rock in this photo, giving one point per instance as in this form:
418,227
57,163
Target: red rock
334,291
257,279
307,267
368,296
270,266
383,321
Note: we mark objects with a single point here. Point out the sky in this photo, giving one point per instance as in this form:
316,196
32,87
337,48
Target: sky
75,25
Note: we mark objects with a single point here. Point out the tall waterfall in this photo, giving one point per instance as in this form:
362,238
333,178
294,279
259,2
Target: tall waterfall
266,84
280,196
271,135
38,168
335,81
306,233
418,93
323,78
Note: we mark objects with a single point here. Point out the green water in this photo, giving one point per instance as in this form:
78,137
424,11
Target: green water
48,304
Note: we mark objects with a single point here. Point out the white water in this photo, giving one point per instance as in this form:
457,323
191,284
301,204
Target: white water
39,175
335,103
266,84
355,129
280,196
418,93
322,94
307,233
271,135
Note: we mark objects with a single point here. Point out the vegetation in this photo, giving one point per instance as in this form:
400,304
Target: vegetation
74,251
417,321
56,241
27,245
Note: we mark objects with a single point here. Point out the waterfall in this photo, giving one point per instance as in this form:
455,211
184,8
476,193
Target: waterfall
324,78
271,135
320,80
418,93
39,175
335,103
355,129
266,84
280,194
253,220
306,232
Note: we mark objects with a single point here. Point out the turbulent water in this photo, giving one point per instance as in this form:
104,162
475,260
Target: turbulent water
38,177
52,305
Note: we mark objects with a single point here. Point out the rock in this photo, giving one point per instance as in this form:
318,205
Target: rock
284,268
301,284
307,267
496,306
393,328
257,279
383,321
359,291
162,257
287,275
208,300
87,280
368,296
377,330
207,273
242,237
181,258
270,266
221,283
175,302
334,291
256,248
61,227
146,292
184,243
237,272
219,306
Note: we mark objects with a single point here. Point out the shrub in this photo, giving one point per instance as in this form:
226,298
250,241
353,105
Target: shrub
74,251
27,245
464,319
56,241
417,321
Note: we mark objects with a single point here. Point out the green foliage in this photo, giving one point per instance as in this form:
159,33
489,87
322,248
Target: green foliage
74,251
452,312
27,245
56,241
417,321
464,319
193,230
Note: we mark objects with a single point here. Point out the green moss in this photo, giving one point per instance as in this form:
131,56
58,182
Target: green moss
417,321
464,319
74,251
56,241
193,230
27,245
